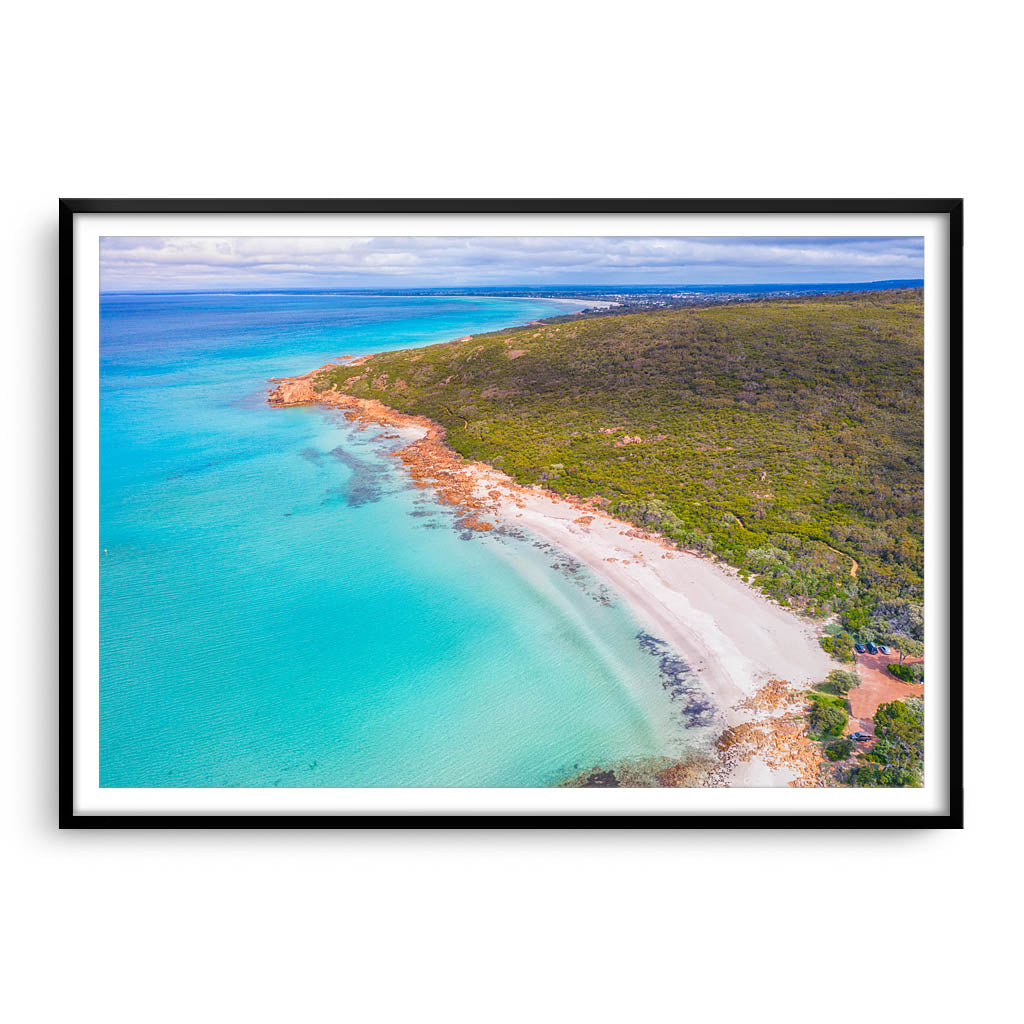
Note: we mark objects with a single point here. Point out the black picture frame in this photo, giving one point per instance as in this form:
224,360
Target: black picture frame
953,817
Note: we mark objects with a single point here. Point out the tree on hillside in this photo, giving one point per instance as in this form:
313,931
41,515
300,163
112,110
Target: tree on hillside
899,617
908,647
843,682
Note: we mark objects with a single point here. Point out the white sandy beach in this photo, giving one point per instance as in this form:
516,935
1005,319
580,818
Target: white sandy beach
732,635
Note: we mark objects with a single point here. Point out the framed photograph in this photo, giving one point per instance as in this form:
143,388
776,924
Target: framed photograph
517,513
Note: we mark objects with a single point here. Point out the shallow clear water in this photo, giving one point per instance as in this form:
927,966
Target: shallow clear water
279,607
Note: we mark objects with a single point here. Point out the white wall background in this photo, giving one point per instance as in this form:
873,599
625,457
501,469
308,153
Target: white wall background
531,99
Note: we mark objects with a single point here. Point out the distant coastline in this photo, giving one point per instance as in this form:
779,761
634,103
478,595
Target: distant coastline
575,292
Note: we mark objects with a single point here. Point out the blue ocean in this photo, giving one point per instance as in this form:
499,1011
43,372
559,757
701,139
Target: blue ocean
280,607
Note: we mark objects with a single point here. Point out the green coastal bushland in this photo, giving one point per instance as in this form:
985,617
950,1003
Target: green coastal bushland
783,436
897,758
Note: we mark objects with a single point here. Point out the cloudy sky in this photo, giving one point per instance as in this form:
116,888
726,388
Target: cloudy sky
154,263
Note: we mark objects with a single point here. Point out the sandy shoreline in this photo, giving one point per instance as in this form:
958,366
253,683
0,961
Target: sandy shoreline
731,635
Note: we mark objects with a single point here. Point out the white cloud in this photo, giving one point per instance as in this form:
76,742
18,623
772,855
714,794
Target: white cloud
256,262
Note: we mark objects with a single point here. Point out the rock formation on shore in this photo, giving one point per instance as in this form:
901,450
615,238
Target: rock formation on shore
298,391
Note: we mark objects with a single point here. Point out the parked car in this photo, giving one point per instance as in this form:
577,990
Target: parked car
860,737
859,648
872,649
883,648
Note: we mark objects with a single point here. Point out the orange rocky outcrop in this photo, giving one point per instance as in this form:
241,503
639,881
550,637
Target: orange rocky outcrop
429,461
777,734
296,390
292,392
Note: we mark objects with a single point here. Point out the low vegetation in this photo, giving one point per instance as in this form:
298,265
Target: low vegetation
839,750
840,646
828,715
907,673
897,758
839,683
784,437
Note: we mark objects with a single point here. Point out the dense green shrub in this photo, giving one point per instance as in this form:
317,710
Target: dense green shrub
840,647
839,682
904,672
828,715
839,750
902,723
898,619
869,773
897,758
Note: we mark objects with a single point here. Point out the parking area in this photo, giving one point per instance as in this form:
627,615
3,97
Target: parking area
877,687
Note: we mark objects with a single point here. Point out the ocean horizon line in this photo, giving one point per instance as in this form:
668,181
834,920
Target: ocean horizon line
499,291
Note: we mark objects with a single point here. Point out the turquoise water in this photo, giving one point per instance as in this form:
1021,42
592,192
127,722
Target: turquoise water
279,607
